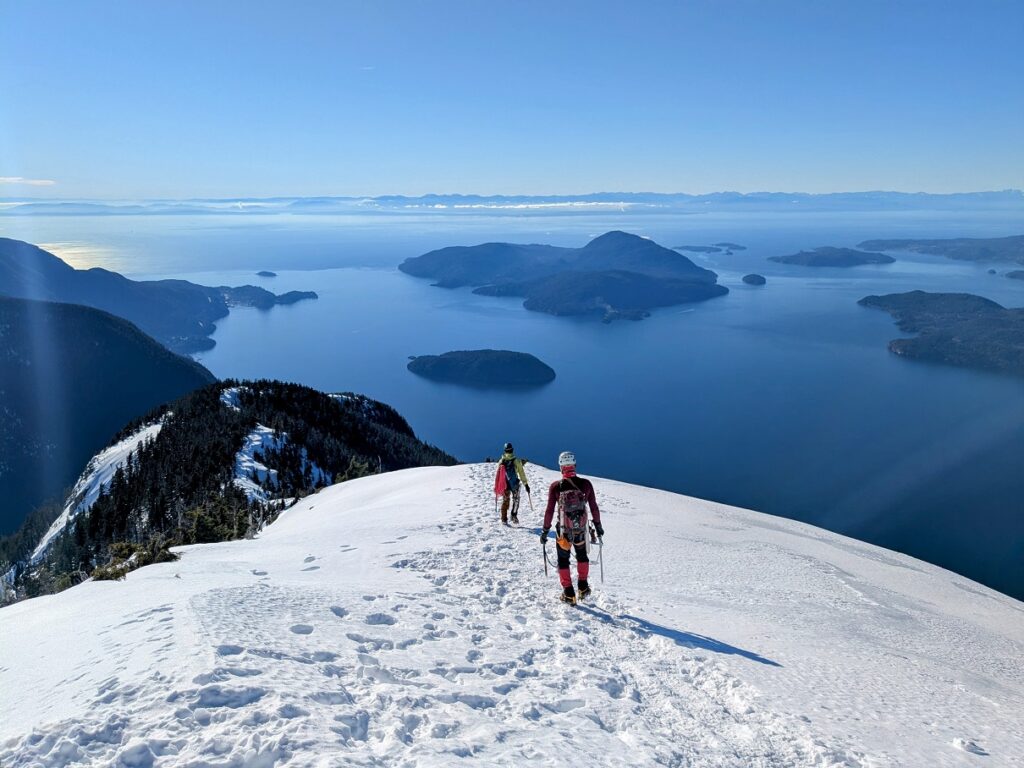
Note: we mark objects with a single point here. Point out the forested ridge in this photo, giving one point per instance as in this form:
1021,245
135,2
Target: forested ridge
182,486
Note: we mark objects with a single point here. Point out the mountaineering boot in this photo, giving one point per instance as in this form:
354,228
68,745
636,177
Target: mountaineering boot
584,589
515,519
569,595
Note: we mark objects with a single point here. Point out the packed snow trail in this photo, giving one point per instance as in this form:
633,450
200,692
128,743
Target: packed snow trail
393,621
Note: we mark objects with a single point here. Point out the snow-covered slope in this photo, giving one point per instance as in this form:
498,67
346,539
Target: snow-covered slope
391,621
95,478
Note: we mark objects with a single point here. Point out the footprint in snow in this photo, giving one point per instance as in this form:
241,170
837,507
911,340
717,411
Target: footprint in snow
565,705
257,572
380,618
311,568
229,650
338,611
309,558
301,629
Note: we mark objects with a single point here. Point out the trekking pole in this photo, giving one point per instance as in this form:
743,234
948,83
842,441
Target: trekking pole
600,543
529,498
544,551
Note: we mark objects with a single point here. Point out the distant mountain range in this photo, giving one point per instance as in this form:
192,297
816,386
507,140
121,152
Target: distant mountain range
615,275
177,313
595,201
70,377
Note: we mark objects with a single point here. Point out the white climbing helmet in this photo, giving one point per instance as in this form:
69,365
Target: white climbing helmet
567,459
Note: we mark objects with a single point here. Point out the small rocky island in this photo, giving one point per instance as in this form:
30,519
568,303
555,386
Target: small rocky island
827,256
614,276
1009,249
731,246
1017,274
754,279
956,329
266,273
489,368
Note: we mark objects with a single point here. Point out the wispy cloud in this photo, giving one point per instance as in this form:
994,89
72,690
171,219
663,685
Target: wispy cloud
27,182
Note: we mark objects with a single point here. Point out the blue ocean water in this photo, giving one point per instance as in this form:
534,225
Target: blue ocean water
783,399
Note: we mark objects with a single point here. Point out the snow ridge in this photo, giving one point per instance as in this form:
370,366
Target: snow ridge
97,476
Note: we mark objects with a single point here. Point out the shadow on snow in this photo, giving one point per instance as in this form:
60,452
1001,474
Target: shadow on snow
646,628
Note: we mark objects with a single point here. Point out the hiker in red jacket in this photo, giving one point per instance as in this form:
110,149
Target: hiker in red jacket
571,494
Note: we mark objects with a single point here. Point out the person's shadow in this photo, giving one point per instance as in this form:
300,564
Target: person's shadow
646,628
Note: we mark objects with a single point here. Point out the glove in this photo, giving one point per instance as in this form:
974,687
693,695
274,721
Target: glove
527,490
544,536
599,528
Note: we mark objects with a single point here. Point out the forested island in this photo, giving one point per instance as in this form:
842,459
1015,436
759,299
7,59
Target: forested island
491,368
266,273
956,329
1010,249
617,275
828,256
1017,274
261,298
753,279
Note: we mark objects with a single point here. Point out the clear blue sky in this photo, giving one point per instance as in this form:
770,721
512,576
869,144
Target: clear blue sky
224,98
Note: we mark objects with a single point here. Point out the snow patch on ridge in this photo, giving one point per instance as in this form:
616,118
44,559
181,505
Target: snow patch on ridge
229,398
253,476
97,476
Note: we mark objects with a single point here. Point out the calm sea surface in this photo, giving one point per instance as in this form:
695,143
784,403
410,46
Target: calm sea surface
782,398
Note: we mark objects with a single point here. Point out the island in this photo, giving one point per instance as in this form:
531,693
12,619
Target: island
754,279
486,368
261,298
266,273
697,248
992,272
828,256
731,246
615,276
1017,274
1008,249
956,329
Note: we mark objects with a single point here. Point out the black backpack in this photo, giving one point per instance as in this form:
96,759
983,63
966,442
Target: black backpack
511,476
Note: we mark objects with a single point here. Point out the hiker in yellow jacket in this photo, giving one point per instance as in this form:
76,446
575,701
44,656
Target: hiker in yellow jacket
509,479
